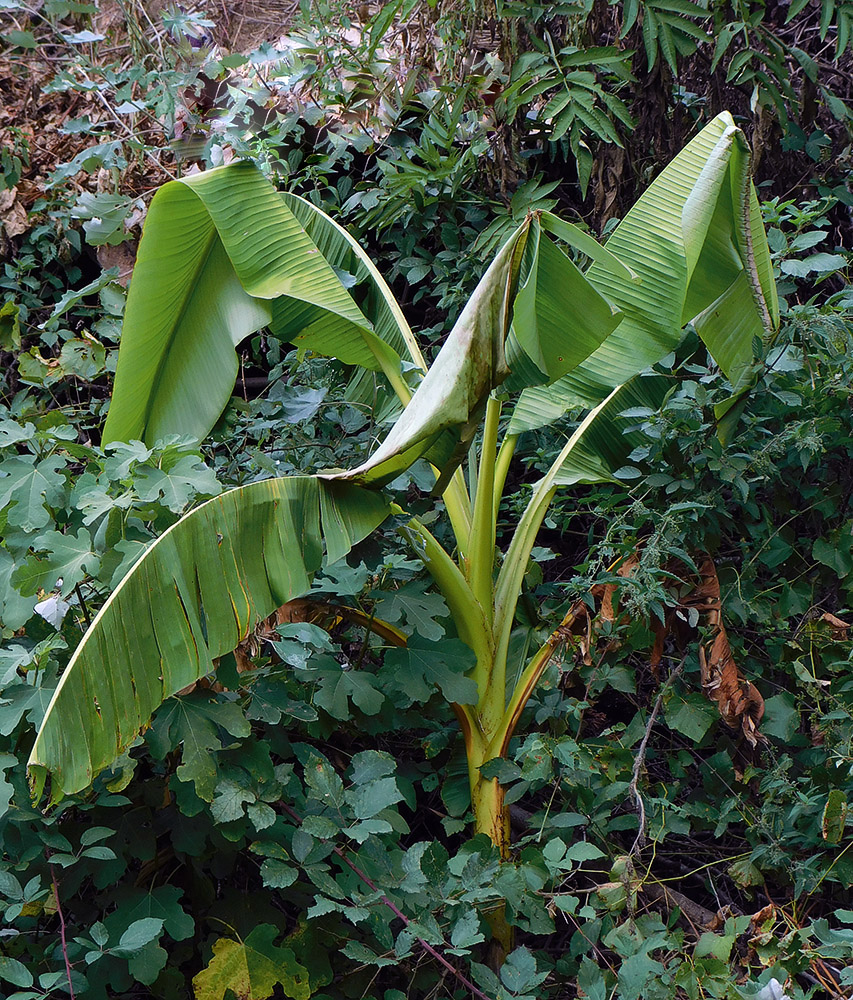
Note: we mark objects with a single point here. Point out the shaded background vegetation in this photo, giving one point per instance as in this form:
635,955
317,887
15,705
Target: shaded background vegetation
427,129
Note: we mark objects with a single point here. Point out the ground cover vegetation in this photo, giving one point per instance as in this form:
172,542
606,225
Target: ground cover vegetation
299,822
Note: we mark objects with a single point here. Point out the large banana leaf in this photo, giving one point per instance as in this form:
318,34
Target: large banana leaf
204,584
195,593
696,240
221,254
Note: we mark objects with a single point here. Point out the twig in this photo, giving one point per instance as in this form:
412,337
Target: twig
699,916
463,979
83,607
639,760
61,929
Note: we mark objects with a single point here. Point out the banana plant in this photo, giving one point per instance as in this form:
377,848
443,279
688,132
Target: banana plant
224,255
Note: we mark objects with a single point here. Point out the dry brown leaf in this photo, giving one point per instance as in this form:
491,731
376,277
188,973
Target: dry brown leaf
13,215
839,628
740,704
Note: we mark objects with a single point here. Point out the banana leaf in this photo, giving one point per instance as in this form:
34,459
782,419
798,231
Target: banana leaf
195,593
696,240
220,254
532,317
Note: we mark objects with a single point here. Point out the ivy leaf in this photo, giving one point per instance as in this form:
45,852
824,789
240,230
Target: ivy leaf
6,788
337,686
270,701
125,455
188,478
161,903
10,328
69,558
692,715
781,716
28,487
21,699
93,500
147,964
193,722
251,969
297,403
419,608
15,609
424,666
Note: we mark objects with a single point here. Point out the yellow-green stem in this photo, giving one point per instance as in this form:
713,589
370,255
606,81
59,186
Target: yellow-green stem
482,546
458,506
505,453
464,608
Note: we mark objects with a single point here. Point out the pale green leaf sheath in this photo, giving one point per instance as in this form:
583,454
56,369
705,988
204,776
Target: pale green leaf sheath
194,594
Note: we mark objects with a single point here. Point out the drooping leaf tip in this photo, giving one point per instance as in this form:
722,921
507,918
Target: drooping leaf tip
36,778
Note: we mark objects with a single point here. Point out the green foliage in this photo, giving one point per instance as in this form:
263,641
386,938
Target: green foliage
157,881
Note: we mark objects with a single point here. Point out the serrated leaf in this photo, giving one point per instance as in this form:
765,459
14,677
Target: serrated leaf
519,973
338,686
68,558
277,875
188,478
466,931
834,816
368,765
230,799
370,799
717,945
192,722
418,607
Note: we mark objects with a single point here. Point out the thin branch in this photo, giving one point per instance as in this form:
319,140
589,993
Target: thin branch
83,607
61,929
463,979
639,760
